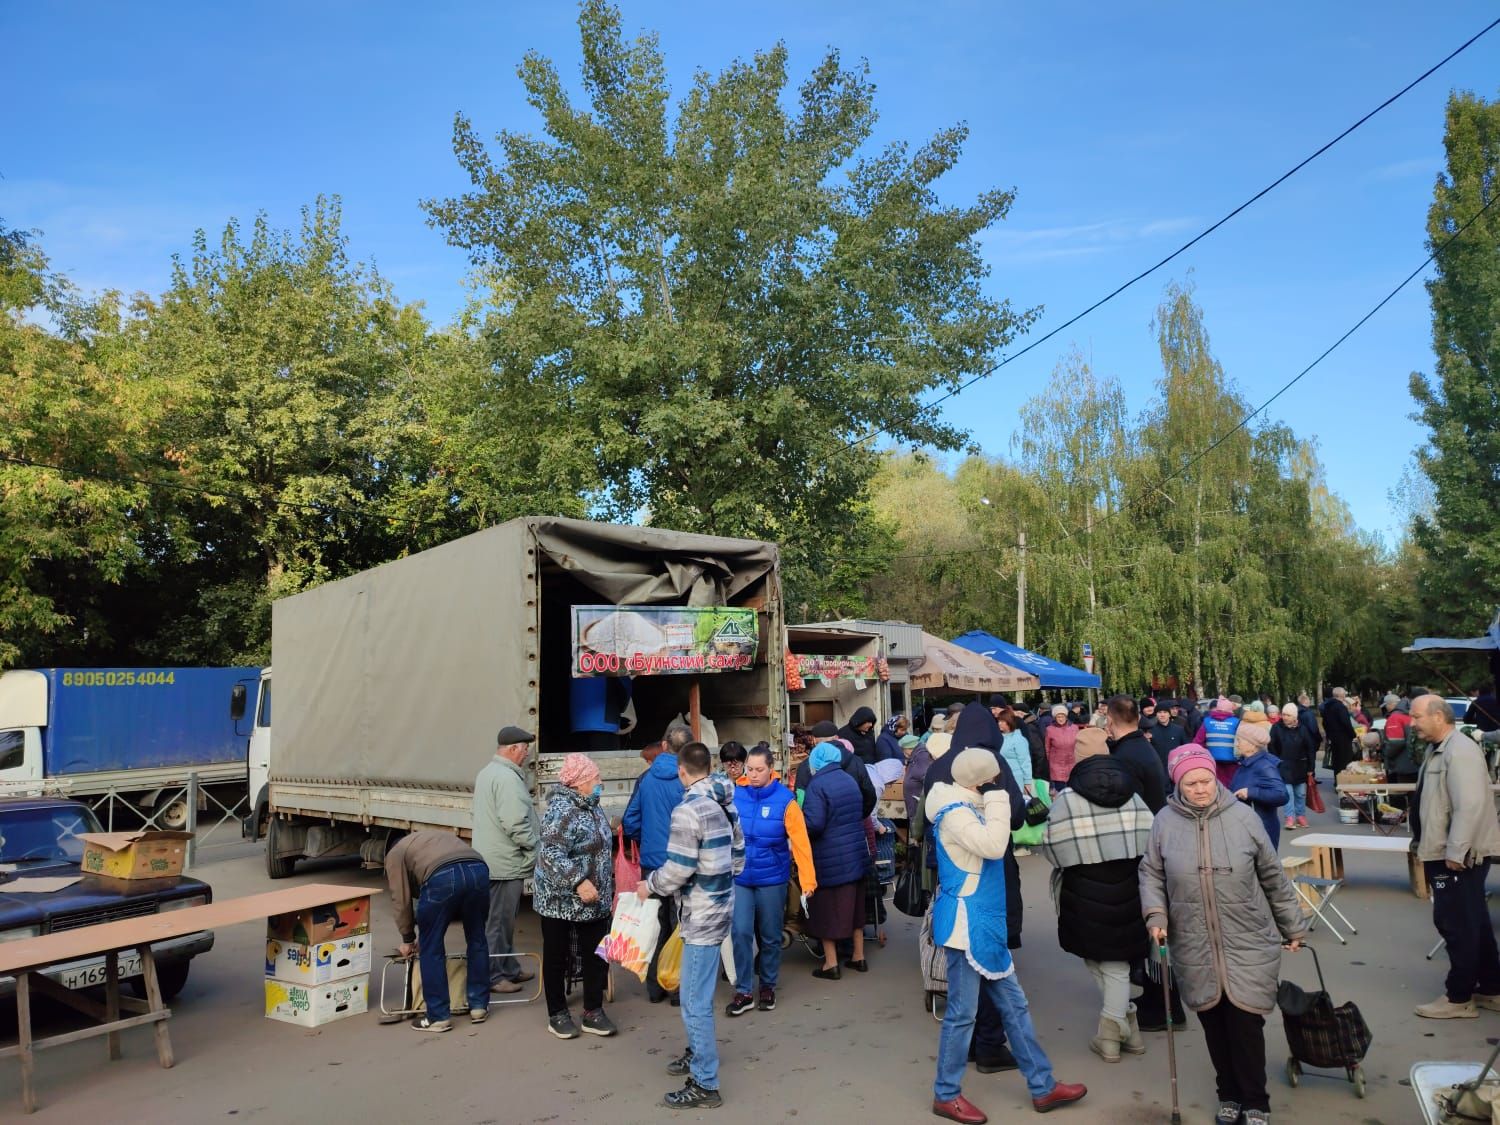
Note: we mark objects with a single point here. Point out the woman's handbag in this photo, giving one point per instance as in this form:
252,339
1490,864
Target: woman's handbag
1036,812
910,898
1314,798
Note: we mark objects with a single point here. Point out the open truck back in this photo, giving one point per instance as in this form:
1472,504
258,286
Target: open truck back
391,684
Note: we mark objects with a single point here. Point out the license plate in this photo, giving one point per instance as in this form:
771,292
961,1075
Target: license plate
88,976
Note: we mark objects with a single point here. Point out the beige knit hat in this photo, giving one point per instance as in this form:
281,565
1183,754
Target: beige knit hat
975,767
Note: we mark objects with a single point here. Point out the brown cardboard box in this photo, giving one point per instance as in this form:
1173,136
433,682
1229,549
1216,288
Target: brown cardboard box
315,1005
322,923
147,854
1365,776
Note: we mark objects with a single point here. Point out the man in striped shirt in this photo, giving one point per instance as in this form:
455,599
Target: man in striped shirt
705,851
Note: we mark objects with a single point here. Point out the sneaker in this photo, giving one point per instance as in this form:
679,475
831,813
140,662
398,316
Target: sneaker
1302,822
1290,824
1444,1009
767,1001
422,1023
597,1023
478,1015
693,1096
562,1025
1489,1003
1229,1113
1019,852
682,1064
1257,1117
739,1004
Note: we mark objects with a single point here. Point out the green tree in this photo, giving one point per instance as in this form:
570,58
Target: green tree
1460,403
727,294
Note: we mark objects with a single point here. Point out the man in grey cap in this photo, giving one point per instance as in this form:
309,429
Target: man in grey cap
506,834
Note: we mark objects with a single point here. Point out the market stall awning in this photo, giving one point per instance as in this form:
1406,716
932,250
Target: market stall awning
1051,673
944,664
1490,642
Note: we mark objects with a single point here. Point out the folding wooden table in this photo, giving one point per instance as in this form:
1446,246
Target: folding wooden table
26,960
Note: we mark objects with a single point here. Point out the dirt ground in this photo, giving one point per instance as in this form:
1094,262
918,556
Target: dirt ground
862,1048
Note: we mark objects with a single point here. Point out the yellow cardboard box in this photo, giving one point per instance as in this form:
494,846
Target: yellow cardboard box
147,854
313,1006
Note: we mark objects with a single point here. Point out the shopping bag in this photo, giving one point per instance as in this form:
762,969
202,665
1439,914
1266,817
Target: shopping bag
458,985
1029,835
627,866
910,898
633,934
726,955
669,964
1314,798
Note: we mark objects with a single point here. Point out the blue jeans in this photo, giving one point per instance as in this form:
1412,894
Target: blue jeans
758,913
1296,799
964,983
459,890
700,972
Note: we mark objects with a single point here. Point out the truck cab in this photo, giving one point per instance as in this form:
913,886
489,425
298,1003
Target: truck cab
257,710
40,836
23,714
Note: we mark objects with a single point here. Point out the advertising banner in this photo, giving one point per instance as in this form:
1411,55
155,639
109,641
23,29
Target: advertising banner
611,640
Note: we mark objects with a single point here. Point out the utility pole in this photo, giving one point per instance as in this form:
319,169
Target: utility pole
1021,591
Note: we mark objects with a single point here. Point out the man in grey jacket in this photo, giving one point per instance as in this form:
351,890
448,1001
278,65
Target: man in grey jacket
506,833
1455,834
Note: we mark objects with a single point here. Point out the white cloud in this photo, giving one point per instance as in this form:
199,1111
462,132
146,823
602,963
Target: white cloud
1038,244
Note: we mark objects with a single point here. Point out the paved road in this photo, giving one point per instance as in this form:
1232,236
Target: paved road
862,1048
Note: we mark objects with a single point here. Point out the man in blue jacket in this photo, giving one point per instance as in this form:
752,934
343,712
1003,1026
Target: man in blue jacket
648,822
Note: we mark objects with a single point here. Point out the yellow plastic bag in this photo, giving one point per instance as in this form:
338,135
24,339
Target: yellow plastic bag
669,964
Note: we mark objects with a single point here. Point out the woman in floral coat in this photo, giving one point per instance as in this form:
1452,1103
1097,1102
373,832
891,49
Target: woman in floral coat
573,894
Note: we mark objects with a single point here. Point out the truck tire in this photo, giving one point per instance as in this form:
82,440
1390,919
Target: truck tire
170,977
277,867
171,811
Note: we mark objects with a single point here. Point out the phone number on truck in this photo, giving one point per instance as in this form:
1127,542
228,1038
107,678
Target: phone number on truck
118,679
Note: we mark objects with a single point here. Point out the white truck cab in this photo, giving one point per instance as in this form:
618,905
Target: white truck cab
260,748
23,714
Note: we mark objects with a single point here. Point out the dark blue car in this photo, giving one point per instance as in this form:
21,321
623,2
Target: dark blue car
40,836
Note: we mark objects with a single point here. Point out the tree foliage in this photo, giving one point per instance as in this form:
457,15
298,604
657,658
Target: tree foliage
726,295
1460,402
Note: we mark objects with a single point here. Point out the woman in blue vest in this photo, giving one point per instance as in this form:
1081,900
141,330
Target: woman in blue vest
775,834
971,833
1216,735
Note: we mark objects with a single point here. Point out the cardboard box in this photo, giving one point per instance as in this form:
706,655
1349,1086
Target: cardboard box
147,854
296,963
1361,777
315,1005
322,923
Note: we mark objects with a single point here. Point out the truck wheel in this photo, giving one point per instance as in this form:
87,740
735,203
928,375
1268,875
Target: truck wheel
169,976
277,867
171,812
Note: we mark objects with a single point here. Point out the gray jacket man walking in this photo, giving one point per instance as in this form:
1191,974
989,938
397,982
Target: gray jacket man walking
506,834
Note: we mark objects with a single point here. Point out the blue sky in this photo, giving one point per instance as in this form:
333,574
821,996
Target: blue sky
1122,128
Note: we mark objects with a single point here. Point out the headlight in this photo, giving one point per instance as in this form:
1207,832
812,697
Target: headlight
182,903
20,933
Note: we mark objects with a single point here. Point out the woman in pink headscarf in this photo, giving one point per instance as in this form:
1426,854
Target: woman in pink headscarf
573,894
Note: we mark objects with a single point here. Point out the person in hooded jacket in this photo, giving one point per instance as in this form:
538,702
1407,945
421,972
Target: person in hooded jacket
888,745
648,822
859,733
849,762
934,745
1212,872
1129,744
1097,831
841,857
976,726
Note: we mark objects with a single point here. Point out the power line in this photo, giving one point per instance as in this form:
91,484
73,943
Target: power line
1222,438
1199,237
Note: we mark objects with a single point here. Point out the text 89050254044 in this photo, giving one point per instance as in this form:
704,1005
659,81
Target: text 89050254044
119,679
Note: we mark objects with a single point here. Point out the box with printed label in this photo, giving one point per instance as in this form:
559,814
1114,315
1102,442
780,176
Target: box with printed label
322,923
297,963
314,1005
147,854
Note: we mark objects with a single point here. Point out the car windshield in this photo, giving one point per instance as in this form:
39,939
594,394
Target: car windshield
32,835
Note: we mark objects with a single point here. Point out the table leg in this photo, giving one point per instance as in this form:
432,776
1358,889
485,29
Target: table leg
153,998
112,1000
23,1028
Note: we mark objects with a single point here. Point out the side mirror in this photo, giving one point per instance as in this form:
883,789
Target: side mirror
238,698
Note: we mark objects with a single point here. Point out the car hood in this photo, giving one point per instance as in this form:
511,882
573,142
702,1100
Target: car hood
92,892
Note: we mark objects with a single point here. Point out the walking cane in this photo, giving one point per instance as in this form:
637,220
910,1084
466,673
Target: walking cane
1166,1000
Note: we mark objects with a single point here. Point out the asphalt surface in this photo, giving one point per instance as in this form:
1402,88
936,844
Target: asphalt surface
861,1049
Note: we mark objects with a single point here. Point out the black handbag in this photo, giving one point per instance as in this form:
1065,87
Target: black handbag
910,897
1036,812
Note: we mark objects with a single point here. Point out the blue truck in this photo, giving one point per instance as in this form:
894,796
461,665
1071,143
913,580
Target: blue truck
127,735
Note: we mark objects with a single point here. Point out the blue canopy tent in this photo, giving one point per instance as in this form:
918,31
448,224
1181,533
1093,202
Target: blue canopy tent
1052,673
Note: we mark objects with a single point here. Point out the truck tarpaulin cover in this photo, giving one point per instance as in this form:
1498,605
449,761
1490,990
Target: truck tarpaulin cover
405,672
